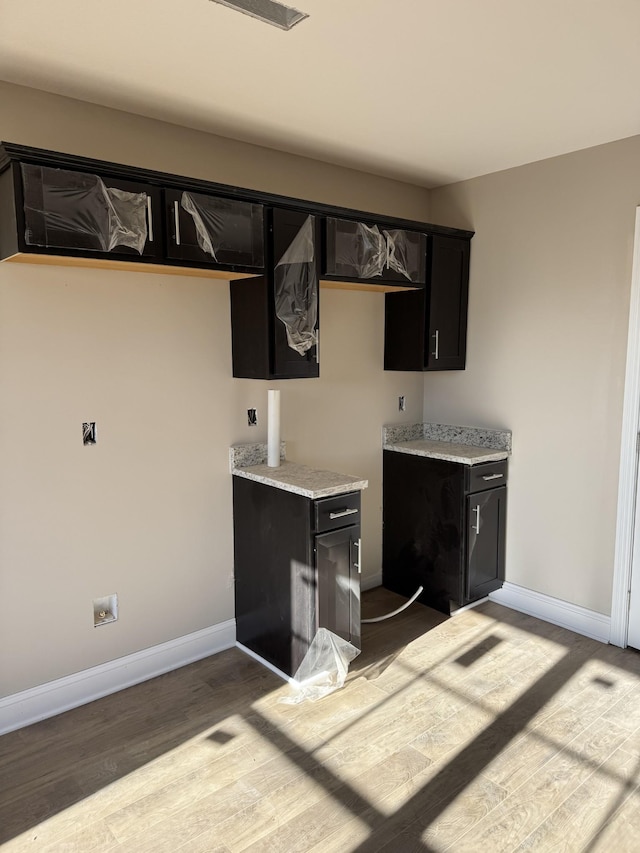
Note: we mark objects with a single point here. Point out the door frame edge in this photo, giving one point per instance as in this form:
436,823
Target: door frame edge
627,484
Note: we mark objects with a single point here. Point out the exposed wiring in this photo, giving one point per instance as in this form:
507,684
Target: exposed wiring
399,609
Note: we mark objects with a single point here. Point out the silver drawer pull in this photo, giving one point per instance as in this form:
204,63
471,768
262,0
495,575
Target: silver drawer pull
176,219
492,476
358,565
476,509
436,351
342,512
150,219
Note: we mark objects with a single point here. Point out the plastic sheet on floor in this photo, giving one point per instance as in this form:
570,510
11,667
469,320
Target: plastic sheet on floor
323,669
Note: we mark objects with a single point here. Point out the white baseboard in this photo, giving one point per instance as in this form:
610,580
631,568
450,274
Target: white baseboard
554,610
47,700
371,581
260,659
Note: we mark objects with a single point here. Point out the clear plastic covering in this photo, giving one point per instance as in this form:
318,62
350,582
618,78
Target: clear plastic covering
226,225
65,209
369,252
364,251
323,669
398,253
296,290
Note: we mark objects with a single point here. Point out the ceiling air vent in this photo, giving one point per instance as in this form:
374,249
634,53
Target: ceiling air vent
268,11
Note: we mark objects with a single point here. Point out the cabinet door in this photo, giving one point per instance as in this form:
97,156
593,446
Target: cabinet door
219,232
274,318
79,213
427,330
445,345
356,251
294,345
338,580
486,518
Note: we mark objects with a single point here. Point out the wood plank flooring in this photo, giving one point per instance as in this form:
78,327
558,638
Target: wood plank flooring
489,731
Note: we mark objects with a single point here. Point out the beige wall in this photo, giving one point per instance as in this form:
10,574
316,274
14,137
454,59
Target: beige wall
548,314
146,513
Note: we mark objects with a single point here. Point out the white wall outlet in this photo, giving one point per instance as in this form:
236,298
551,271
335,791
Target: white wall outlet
402,403
105,610
252,417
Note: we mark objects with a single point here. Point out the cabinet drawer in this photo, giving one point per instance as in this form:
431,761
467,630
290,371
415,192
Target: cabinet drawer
488,475
336,511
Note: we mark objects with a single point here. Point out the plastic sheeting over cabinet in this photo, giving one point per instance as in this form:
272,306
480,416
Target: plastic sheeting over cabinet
274,317
296,289
77,210
359,251
228,231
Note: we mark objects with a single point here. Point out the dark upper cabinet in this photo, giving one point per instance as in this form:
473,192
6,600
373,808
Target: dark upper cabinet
84,214
427,329
60,208
211,230
274,317
443,528
361,252
79,208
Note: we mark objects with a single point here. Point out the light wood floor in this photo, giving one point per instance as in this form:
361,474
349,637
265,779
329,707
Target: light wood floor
489,732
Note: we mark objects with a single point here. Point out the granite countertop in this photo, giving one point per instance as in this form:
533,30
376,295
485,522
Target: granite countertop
466,445
249,461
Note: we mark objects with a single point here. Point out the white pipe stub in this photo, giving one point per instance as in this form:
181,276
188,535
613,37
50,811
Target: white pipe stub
273,429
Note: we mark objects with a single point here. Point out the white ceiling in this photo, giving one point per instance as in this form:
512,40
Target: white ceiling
428,92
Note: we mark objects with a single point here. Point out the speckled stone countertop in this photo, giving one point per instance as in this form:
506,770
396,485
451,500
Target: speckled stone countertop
249,461
466,445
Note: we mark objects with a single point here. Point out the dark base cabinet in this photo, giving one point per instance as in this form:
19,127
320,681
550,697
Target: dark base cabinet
427,329
443,529
292,574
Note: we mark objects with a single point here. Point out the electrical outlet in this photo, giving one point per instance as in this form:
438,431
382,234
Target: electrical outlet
402,403
252,417
89,433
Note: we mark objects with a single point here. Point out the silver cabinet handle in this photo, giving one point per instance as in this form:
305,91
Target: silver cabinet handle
476,509
436,351
149,219
357,565
176,220
340,513
492,476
